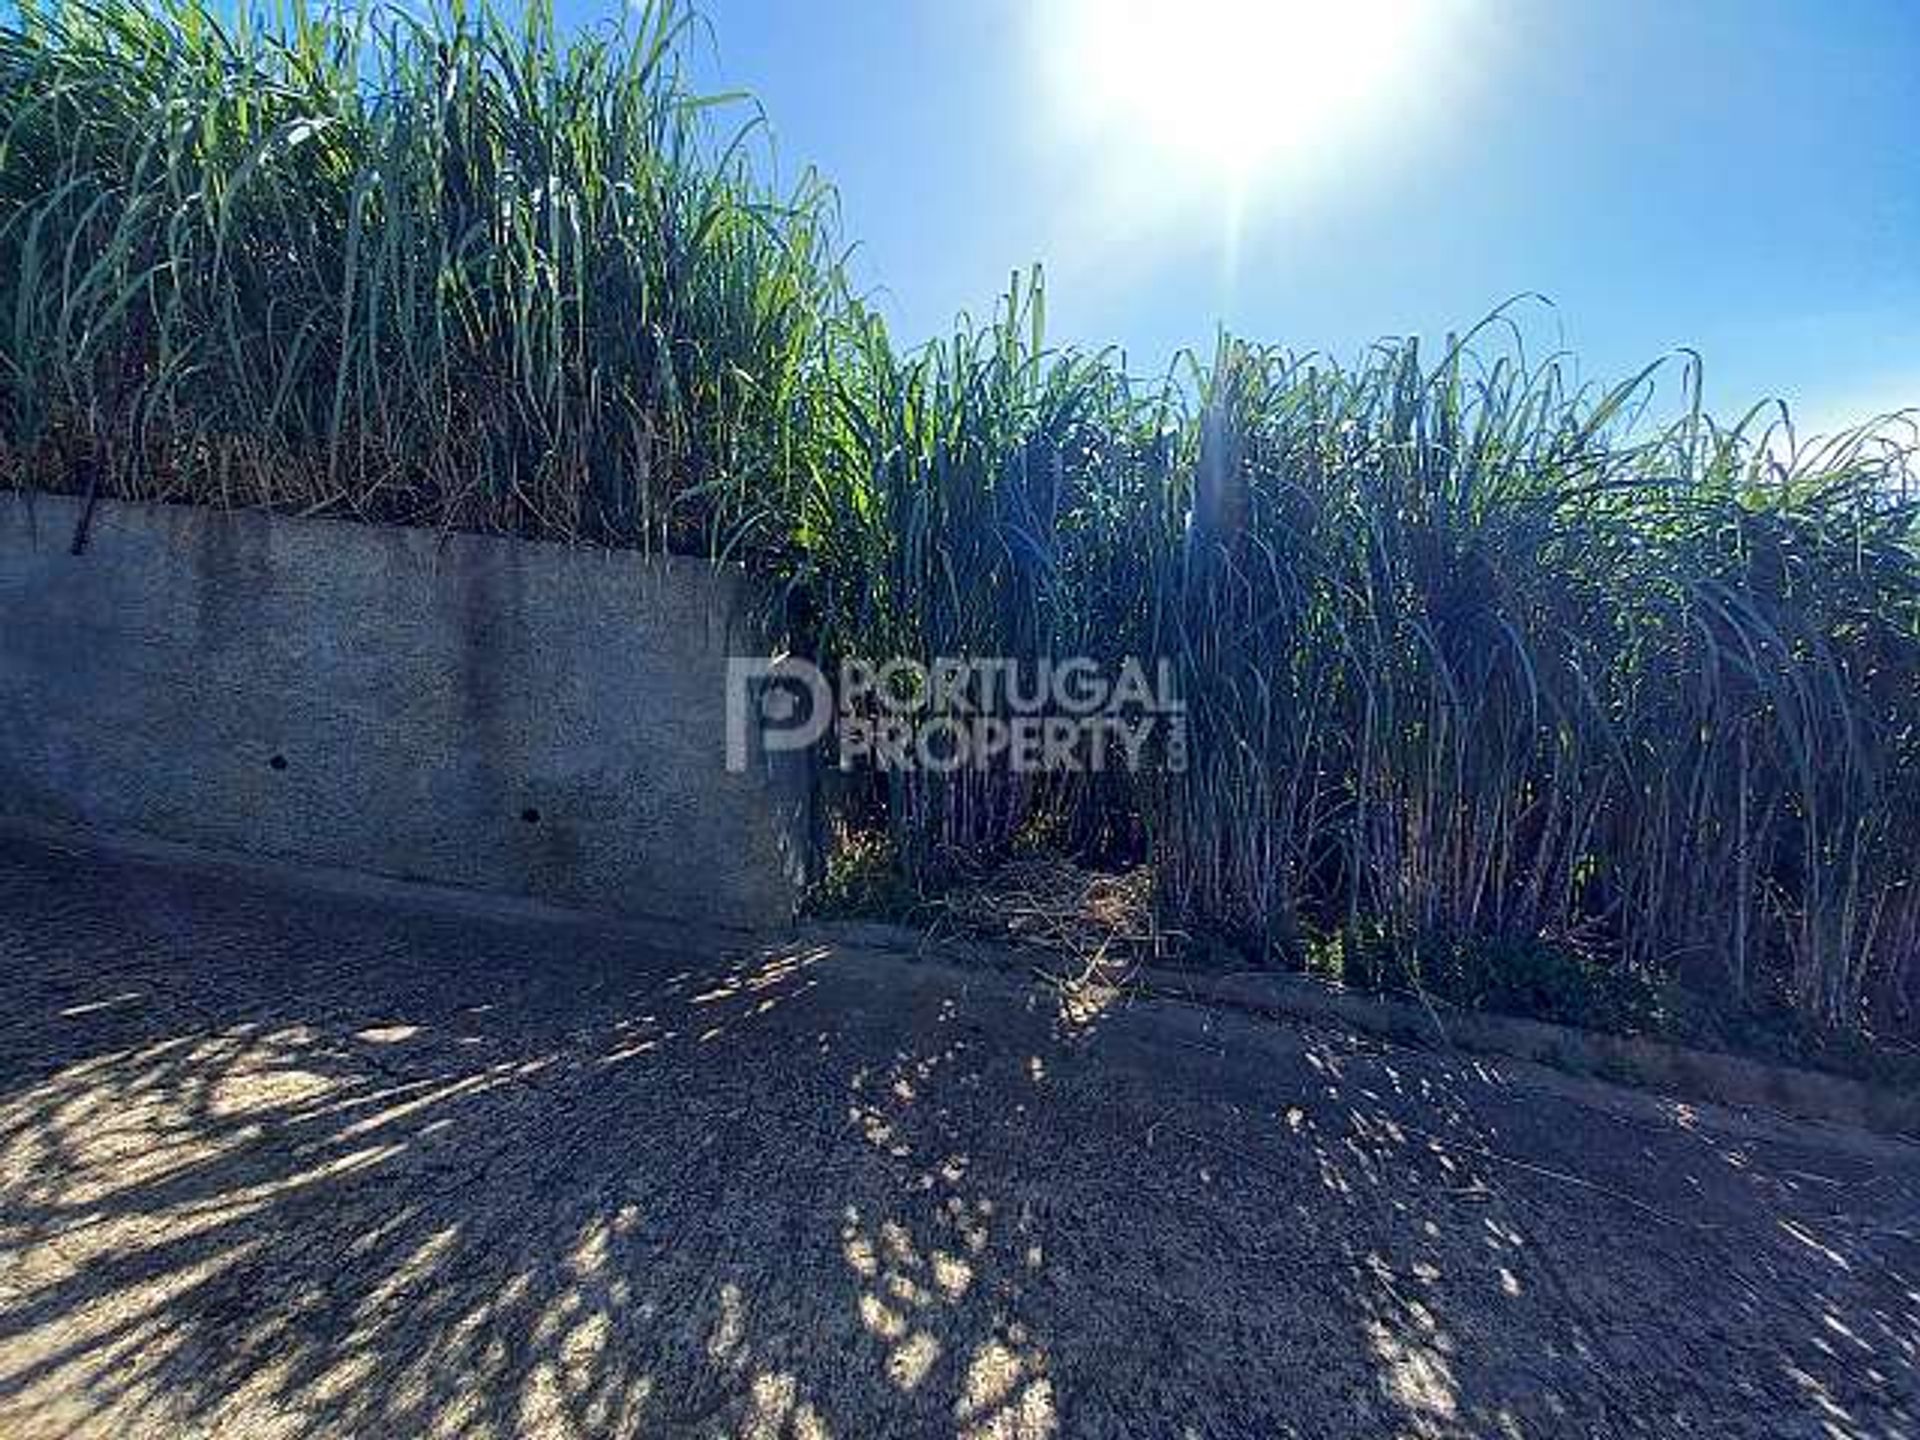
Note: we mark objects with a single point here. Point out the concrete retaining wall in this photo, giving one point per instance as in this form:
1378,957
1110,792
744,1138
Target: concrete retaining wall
502,715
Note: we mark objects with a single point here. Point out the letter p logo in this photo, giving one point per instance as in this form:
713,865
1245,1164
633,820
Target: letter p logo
785,702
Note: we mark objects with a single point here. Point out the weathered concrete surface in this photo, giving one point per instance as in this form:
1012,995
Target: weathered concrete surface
1678,1071
274,1163
504,715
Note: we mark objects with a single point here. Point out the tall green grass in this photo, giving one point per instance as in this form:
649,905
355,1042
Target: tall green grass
1489,665
1468,654
456,268
1471,656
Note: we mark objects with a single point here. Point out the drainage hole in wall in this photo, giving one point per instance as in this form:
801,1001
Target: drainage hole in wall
530,815
278,762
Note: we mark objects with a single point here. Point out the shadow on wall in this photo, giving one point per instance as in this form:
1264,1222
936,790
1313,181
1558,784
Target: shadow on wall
303,1173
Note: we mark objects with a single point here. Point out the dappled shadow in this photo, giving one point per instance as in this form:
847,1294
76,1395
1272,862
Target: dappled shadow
302,1171
280,1164
1657,1264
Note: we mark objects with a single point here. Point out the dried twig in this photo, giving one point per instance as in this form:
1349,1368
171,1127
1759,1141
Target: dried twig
1103,923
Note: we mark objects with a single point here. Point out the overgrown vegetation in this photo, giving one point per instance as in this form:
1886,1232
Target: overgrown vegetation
1478,665
447,270
1468,657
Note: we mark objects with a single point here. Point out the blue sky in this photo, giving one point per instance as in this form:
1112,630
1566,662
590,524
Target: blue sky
1740,176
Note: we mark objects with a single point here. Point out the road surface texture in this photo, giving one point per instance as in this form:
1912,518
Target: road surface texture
283,1162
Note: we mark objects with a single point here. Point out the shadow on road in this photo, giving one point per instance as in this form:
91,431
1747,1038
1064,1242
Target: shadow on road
278,1164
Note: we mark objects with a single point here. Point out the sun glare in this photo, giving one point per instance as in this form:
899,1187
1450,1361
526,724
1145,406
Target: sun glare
1232,93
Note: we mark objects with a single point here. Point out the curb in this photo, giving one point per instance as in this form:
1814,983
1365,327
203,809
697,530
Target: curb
1705,1076
432,897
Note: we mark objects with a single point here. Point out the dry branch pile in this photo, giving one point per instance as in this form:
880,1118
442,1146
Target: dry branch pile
1102,924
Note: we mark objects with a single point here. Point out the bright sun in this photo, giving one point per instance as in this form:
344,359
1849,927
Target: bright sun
1235,93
